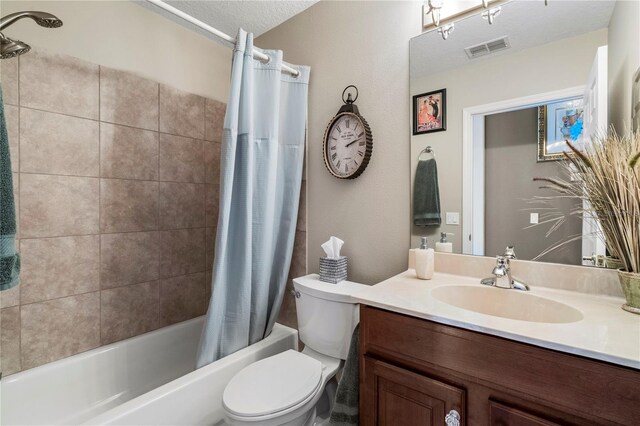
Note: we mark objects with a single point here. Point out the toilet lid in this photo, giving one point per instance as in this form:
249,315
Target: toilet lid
272,384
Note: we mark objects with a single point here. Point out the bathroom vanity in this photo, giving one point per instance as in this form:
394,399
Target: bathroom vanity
428,362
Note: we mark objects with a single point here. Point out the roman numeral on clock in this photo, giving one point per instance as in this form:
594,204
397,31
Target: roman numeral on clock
360,135
338,129
361,143
360,154
347,123
333,156
333,148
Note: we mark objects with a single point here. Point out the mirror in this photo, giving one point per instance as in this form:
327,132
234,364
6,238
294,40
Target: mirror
495,103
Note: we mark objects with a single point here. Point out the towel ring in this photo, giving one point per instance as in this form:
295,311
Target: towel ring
427,150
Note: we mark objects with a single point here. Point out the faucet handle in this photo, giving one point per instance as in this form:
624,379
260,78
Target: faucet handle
510,252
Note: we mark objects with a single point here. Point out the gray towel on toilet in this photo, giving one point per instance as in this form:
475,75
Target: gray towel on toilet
426,194
346,407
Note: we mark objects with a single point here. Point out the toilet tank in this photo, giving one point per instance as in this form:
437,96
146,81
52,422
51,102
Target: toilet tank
326,314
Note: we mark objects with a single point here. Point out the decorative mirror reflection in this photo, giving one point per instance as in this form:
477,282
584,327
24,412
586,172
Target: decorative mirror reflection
518,87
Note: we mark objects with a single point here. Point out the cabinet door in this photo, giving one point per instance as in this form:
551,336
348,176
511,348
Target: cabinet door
393,396
503,415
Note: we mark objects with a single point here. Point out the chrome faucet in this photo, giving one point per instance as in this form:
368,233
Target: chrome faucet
502,277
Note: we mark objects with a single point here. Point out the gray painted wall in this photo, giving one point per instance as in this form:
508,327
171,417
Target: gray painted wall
366,44
510,166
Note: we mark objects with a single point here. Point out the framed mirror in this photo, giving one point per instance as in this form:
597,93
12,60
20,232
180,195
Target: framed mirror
517,89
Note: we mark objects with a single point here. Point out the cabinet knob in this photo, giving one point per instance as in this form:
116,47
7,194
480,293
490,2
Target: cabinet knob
452,419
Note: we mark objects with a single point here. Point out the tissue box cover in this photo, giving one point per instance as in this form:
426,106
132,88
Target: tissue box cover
333,270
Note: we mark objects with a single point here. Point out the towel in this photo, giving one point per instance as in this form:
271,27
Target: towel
426,194
9,259
346,407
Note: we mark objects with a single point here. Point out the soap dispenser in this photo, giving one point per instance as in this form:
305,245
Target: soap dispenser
424,261
443,245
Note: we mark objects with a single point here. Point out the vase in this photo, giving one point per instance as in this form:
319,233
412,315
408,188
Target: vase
630,283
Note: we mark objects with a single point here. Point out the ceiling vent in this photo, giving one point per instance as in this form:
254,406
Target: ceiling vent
487,47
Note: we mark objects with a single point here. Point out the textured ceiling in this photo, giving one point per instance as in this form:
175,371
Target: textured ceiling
527,23
257,17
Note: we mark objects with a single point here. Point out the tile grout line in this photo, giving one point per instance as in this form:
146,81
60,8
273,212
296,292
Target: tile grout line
100,205
19,217
159,225
128,126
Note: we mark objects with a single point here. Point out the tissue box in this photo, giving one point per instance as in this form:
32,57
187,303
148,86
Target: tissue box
333,270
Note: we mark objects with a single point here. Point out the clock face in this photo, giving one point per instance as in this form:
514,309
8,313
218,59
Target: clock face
346,145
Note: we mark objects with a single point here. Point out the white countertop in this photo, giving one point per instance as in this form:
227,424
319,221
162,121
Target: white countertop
606,332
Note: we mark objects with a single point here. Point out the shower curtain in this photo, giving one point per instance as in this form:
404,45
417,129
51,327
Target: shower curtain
260,177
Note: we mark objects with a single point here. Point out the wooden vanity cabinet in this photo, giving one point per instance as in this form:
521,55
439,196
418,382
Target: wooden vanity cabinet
416,372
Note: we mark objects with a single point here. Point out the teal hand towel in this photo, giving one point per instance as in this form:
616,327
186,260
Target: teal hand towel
426,194
9,258
346,411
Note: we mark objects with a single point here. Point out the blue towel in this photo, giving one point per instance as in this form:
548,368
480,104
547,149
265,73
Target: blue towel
9,258
426,194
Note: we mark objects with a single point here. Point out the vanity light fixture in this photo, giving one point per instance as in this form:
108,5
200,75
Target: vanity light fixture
491,14
446,31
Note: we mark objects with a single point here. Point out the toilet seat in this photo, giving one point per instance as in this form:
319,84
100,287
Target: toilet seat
272,385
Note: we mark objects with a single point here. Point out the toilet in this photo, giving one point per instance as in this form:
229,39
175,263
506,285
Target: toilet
295,388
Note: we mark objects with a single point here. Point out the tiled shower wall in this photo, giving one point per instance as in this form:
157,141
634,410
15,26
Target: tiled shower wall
116,183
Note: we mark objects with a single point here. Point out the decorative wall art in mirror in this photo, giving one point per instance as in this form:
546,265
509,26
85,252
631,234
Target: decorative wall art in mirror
499,78
430,112
559,122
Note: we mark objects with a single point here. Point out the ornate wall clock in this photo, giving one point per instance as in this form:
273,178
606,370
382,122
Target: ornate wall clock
348,142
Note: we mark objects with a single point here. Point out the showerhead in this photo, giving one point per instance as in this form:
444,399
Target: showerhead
43,19
10,48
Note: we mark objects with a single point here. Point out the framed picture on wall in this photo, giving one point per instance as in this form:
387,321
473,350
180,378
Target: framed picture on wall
430,112
559,122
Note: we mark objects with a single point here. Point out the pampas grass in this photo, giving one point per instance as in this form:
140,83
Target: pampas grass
607,176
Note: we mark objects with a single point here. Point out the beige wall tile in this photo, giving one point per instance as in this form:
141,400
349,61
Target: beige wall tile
181,113
10,341
301,224
128,99
214,120
299,258
9,73
128,205
12,118
212,162
210,245
58,144
182,298
59,83
129,258
128,153
183,252
59,328
211,204
181,159
287,314
58,267
128,311
58,205
182,205
11,297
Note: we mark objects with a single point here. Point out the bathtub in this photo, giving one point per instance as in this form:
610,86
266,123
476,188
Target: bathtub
144,380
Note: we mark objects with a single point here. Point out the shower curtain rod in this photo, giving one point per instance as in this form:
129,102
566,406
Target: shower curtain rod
177,12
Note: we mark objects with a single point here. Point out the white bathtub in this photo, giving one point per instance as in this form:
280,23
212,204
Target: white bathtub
145,380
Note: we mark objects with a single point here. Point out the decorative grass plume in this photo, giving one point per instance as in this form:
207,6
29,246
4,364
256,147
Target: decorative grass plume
607,176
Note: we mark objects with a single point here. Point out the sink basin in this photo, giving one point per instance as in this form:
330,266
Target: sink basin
512,304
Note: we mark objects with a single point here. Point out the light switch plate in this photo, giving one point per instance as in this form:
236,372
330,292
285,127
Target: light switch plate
533,218
452,218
